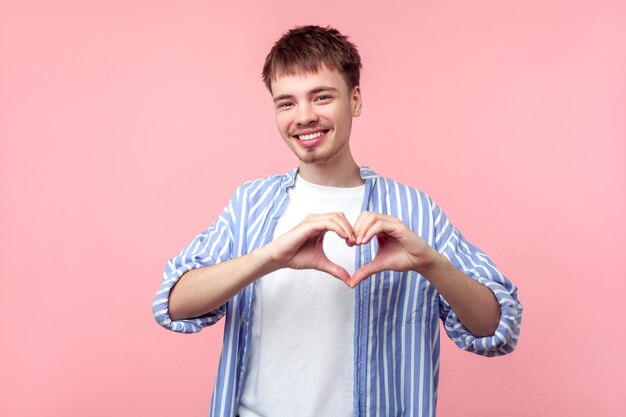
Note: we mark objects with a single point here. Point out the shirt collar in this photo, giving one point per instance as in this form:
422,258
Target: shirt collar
289,178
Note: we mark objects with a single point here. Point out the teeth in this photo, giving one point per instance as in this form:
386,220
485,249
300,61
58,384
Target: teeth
311,136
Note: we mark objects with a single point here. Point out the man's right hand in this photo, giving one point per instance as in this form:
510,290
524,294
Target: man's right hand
202,290
302,246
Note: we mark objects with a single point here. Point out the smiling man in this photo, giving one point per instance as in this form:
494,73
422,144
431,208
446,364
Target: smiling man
332,279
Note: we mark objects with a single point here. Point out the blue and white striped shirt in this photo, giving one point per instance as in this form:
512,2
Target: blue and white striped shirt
396,325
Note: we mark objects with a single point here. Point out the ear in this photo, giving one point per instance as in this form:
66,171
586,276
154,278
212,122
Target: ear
356,101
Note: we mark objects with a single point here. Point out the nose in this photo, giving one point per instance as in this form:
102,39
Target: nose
306,114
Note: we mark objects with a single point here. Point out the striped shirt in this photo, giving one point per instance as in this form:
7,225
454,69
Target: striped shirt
396,324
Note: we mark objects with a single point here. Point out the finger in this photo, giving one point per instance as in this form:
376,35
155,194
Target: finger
343,222
337,223
312,226
362,273
363,222
320,225
325,265
388,225
377,227
351,238
361,218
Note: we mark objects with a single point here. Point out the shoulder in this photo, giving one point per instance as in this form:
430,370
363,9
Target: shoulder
263,188
393,190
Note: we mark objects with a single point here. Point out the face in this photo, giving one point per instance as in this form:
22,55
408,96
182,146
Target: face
314,114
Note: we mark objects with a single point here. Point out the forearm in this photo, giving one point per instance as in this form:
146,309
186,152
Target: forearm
474,304
202,290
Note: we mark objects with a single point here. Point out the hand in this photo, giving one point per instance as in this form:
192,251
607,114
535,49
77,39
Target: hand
301,247
399,248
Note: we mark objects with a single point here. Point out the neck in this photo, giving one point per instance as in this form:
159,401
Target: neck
343,173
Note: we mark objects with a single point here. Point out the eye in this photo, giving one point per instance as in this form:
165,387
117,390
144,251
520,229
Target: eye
284,105
322,98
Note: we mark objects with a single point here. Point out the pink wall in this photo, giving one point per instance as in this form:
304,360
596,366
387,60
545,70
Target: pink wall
125,126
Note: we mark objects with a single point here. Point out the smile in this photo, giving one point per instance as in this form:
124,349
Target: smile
311,136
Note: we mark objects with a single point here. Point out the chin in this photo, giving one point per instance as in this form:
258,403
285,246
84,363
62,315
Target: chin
315,158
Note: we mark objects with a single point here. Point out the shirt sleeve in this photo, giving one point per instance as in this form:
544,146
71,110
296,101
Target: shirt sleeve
210,247
477,265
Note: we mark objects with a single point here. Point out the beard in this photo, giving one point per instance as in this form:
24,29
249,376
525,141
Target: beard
317,155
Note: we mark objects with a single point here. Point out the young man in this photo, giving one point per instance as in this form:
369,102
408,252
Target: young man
332,278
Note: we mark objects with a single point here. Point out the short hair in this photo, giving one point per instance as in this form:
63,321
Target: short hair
304,49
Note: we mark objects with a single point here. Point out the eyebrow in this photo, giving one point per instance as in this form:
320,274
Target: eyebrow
313,91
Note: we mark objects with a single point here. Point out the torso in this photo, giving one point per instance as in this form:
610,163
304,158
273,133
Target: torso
302,359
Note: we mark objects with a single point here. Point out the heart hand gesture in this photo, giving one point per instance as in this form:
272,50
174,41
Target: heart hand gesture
399,248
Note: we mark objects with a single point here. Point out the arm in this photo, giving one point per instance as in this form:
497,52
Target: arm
477,265
203,290
400,249
475,305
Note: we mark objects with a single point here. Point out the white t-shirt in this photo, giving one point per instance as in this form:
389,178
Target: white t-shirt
302,354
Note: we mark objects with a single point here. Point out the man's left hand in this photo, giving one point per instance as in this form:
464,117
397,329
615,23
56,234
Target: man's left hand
399,248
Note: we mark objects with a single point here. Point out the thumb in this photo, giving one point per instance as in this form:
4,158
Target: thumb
325,265
363,273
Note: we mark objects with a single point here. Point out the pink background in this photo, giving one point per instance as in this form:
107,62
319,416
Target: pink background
126,125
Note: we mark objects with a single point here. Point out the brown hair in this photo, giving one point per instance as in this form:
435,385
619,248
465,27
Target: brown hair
304,49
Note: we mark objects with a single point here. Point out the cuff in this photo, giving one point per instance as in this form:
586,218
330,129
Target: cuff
160,306
504,340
